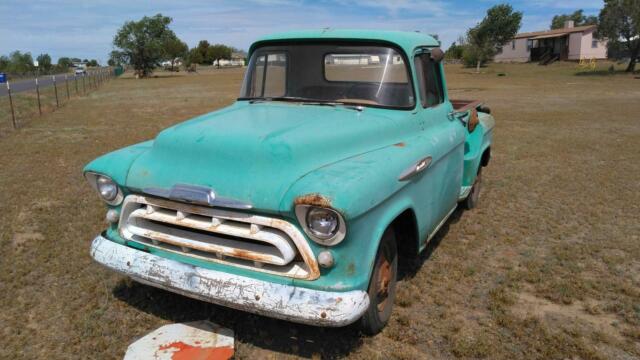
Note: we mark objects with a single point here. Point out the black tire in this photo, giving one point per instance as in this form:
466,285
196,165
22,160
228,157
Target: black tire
382,292
473,198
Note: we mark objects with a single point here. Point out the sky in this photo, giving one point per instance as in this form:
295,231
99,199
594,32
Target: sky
85,29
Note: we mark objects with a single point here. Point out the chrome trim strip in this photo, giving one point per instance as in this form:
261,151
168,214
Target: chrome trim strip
195,194
464,192
435,231
420,166
288,302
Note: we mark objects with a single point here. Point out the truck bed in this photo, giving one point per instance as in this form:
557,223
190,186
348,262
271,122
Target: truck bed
464,105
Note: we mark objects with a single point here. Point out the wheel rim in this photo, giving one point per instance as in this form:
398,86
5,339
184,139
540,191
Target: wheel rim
475,191
383,280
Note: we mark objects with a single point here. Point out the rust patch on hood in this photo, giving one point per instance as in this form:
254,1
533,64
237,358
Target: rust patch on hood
313,199
400,144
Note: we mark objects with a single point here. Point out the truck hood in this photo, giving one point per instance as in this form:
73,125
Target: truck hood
255,152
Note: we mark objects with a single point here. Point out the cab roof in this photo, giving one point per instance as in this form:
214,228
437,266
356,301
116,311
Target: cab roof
407,41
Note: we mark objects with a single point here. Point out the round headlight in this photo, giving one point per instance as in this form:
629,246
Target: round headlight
107,188
322,223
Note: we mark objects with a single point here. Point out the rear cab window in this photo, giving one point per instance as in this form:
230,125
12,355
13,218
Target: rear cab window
429,76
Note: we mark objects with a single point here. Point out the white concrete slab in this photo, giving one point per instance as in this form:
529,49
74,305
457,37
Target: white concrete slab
201,340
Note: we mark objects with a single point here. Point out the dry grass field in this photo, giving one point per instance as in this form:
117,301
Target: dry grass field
547,267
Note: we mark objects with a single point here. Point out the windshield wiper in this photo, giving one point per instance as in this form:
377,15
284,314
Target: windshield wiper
279,98
334,104
306,101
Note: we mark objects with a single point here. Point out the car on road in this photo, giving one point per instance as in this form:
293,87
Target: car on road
80,71
341,158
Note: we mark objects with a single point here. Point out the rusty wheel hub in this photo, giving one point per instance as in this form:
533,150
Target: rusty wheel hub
384,278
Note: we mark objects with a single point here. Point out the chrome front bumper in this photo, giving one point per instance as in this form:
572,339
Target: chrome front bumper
297,304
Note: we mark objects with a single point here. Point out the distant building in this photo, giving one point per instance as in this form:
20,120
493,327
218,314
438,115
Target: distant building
237,59
568,43
167,63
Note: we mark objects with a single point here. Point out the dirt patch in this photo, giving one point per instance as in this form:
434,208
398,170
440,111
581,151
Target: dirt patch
587,313
20,239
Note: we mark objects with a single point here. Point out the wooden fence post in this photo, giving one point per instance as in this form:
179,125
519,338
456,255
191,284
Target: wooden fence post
84,90
66,82
55,89
38,93
13,114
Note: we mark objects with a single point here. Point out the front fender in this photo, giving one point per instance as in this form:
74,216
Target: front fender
116,164
366,190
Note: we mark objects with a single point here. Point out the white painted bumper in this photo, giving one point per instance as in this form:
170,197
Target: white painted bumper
286,302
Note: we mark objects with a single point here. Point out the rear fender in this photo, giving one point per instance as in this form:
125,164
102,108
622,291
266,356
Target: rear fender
477,142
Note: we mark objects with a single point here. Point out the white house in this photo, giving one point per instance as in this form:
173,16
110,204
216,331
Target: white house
569,43
237,59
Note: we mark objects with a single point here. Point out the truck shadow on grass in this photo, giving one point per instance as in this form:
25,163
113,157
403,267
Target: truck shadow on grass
258,332
250,330
408,268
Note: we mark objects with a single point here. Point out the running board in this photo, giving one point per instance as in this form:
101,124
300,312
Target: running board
435,231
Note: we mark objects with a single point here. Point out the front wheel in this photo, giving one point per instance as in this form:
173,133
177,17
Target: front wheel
382,286
474,195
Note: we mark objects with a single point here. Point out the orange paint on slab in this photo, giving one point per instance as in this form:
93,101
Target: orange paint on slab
190,352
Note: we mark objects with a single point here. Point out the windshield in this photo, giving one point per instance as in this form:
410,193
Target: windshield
351,74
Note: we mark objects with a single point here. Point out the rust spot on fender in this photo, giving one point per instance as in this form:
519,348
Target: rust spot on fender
400,144
313,199
351,269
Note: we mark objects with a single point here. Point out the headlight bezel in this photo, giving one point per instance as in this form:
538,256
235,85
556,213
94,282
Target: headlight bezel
93,177
341,230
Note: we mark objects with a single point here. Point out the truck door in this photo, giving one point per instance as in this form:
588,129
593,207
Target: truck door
444,141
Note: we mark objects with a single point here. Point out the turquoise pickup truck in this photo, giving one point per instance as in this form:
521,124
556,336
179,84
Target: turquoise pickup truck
342,157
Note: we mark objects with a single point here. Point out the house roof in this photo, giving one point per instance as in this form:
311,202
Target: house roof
554,32
406,40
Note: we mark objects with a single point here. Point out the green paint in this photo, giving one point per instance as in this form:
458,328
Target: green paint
269,153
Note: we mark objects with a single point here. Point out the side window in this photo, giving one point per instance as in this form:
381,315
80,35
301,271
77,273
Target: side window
429,81
269,77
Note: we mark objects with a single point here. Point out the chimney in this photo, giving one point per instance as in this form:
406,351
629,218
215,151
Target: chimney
568,24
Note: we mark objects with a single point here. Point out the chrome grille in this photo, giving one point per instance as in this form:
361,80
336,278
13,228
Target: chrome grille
261,243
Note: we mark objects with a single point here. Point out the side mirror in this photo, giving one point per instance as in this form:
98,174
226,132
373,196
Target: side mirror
437,54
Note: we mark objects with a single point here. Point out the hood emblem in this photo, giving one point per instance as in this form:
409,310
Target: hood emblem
194,194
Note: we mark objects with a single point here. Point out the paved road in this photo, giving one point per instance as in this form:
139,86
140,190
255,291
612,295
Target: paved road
44,81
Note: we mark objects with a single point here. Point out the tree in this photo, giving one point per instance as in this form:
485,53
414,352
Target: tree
93,62
142,43
20,63
116,57
44,62
174,48
65,63
619,22
456,50
111,62
193,57
217,52
202,49
4,63
497,28
578,18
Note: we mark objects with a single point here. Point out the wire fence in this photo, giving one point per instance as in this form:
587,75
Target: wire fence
39,96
